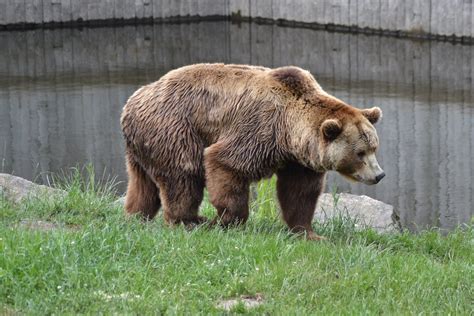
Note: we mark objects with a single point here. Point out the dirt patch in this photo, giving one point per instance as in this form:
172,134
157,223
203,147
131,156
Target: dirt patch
44,225
7,311
249,301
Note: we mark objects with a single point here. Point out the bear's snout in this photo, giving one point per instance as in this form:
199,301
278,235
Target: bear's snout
370,173
379,177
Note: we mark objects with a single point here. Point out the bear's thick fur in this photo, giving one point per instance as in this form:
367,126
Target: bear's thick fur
224,126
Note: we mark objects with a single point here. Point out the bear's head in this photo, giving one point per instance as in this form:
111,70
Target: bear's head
348,144
324,133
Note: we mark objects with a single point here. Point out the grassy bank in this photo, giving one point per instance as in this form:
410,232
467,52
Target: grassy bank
94,261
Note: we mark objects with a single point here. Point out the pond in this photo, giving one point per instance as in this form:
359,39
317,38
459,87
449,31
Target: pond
62,91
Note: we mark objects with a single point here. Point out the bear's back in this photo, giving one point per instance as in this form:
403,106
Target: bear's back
210,99
218,79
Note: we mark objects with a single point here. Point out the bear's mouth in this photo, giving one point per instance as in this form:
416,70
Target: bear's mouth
355,178
351,178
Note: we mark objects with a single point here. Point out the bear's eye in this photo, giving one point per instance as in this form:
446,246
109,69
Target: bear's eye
361,154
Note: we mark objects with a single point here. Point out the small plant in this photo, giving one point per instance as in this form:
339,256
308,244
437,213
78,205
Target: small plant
264,199
83,180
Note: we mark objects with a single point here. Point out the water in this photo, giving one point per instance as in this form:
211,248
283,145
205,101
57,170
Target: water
61,93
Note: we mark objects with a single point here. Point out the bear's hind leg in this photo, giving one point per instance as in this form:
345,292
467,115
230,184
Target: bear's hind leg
228,192
181,197
142,193
298,190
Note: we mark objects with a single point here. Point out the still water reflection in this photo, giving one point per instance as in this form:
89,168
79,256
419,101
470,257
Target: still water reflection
61,93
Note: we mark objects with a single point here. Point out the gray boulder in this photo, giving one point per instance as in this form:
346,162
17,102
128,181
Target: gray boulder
15,189
366,211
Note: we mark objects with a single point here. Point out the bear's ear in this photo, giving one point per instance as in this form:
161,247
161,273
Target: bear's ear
331,129
373,114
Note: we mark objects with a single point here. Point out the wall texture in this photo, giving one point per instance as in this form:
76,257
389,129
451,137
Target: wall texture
412,18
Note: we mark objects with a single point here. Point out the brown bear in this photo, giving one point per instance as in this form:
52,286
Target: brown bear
224,126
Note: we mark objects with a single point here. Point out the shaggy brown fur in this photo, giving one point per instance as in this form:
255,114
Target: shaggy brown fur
224,126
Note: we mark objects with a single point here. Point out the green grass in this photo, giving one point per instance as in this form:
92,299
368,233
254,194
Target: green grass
106,264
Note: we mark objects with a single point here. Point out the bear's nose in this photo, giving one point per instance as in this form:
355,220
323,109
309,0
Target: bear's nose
379,177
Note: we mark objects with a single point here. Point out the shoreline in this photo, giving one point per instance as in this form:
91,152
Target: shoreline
416,35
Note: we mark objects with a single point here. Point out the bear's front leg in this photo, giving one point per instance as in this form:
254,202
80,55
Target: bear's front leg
228,192
298,189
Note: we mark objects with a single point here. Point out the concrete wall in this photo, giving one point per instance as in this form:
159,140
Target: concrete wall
438,17
61,93
47,11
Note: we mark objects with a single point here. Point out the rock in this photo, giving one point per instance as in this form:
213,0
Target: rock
15,189
367,211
